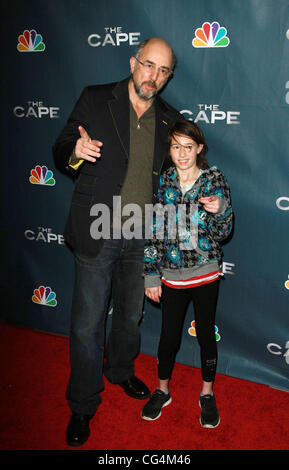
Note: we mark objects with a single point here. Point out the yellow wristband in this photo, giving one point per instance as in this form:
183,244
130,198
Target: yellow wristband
74,162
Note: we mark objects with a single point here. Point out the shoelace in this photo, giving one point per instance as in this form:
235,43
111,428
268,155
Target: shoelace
208,402
156,395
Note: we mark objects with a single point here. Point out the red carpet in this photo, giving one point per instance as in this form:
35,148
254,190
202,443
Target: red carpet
34,414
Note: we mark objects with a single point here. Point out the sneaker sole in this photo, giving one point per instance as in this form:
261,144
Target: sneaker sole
208,426
146,418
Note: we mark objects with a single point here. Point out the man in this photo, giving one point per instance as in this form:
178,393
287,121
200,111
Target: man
116,141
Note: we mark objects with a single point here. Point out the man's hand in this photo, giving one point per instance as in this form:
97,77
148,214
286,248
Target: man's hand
211,203
154,293
85,148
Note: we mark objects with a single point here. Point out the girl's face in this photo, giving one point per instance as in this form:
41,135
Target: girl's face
184,151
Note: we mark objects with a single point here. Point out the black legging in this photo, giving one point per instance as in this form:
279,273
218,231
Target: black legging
174,307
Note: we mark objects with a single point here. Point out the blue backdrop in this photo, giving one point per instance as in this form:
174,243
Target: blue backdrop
232,79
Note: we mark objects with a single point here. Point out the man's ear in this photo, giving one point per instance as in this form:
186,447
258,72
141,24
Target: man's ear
132,62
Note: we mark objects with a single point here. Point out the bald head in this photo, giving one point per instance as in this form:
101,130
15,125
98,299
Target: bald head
157,44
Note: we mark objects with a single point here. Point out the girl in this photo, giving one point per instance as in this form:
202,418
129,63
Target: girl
187,266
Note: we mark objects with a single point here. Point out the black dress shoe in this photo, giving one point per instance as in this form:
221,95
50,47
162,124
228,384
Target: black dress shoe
135,388
78,430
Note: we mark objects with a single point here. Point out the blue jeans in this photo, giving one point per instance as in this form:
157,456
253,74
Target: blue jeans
116,270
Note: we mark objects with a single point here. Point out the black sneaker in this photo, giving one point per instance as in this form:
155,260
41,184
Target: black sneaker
152,409
209,414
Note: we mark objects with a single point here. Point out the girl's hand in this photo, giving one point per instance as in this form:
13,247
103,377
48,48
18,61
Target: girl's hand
154,293
211,203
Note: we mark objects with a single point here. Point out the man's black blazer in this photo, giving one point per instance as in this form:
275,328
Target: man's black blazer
103,111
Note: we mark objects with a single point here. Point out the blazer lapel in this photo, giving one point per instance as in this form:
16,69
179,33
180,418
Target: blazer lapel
119,109
163,122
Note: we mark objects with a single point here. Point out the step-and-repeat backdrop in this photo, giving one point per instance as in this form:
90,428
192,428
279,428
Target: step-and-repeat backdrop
232,79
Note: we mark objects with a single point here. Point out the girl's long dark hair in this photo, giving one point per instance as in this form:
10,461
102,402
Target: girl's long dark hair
192,130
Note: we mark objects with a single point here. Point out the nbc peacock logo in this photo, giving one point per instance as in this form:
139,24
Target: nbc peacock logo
30,41
44,296
41,175
192,331
211,35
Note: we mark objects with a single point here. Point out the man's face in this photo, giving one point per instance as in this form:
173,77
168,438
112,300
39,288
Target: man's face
151,75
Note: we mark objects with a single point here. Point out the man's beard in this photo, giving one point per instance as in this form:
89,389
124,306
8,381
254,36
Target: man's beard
141,94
